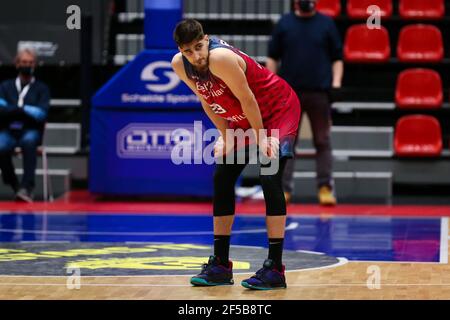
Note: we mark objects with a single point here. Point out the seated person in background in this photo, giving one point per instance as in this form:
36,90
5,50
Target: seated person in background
24,104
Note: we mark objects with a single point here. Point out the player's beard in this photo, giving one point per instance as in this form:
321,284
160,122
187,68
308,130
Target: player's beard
202,65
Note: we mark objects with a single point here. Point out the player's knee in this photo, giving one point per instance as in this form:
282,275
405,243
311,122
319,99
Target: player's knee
273,195
276,207
221,178
223,213
223,204
224,198
270,181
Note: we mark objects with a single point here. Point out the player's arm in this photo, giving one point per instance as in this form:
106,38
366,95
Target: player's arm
335,45
224,64
338,73
220,123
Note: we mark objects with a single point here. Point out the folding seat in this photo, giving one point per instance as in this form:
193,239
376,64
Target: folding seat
422,9
418,136
331,8
419,88
366,45
420,43
357,9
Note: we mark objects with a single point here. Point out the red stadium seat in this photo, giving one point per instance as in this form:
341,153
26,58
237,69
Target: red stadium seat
418,136
357,9
366,45
419,88
331,8
428,9
420,43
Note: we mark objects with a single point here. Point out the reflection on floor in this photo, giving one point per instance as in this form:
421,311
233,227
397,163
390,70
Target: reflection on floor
352,237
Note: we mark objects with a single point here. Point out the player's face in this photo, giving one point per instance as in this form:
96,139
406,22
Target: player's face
197,53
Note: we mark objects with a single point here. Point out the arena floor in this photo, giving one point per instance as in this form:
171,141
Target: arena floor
142,250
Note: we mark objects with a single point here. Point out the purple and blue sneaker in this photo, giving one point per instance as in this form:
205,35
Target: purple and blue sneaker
266,278
214,274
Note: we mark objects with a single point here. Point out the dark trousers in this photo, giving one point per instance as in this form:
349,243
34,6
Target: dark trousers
28,140
318,107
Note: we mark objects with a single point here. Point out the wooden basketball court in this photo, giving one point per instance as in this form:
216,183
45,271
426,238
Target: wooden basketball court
348,279
399,281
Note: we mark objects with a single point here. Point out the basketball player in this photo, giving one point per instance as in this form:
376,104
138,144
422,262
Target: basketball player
238,93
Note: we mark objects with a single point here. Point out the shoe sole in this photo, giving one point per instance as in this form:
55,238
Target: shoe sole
328,204
249,286
199,282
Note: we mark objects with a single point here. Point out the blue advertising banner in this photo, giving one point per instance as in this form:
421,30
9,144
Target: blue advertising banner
149,82
147,126
132,153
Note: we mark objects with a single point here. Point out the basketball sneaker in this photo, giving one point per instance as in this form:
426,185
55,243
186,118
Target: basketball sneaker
266,278
214,274
326,196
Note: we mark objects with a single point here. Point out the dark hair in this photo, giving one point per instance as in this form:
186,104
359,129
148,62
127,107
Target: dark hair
293,4
187,31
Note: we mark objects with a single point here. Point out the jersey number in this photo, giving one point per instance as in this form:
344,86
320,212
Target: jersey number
217,109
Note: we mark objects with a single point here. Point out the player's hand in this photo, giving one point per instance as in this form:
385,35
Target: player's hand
221,148
336,94
270,147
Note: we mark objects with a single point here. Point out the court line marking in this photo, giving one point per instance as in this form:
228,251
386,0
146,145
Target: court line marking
230,286
374,262
311,252
291,226
341,262
139,213
443,255
96,285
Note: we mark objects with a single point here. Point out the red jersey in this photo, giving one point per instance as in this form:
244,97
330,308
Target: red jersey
277,101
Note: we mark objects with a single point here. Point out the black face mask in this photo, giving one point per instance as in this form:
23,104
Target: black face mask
307,6
25,71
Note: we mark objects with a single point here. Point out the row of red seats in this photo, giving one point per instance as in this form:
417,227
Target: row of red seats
418,136
415,135
419,89
417,43
408,9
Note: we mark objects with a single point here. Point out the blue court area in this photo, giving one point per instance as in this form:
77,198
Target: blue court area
354,238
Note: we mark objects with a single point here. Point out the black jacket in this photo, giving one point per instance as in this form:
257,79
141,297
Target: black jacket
36,104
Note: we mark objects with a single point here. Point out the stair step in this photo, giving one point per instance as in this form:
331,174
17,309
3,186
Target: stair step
62,138
348,185
363,141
